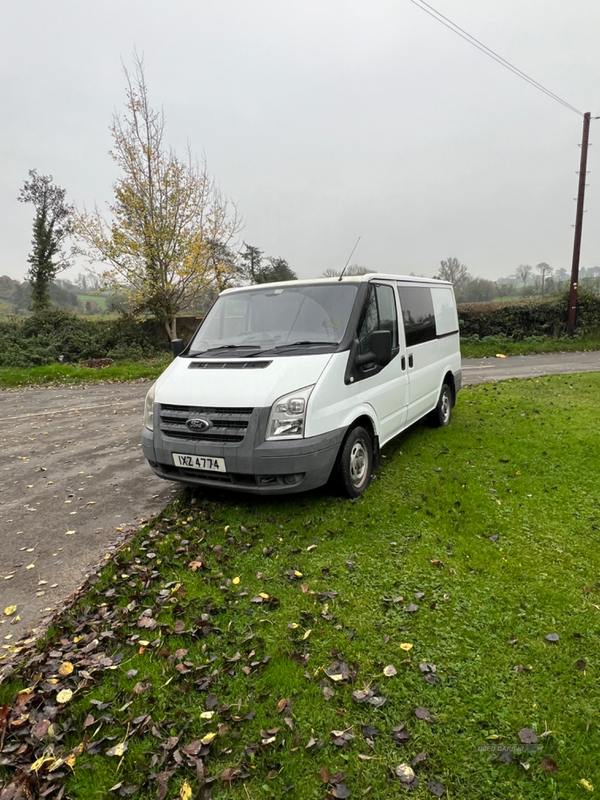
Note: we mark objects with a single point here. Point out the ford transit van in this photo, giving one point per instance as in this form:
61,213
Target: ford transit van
286,385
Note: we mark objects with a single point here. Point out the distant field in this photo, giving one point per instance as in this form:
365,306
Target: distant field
100,300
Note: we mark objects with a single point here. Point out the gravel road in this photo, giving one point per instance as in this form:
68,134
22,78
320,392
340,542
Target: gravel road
71,475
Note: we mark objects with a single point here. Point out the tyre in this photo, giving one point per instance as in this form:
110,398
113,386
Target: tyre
355,463
440,416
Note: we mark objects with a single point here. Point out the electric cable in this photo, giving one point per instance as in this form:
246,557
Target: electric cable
428,9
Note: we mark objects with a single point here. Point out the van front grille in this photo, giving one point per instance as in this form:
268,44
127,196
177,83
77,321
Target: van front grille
225,425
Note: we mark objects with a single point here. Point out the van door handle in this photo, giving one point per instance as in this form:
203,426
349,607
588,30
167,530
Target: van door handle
410,360
403,363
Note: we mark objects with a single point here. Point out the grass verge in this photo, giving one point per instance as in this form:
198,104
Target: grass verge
11,377
474,347
309,646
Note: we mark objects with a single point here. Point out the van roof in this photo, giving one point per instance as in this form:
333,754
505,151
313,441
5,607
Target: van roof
346,279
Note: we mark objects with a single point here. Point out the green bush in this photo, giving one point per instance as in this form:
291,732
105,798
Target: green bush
527,318
40,340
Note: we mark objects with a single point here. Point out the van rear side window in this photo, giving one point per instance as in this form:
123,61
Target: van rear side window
417,314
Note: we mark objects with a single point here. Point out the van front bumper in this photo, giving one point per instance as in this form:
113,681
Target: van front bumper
253,466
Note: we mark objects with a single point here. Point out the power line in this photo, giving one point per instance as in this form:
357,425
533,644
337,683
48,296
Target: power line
488,52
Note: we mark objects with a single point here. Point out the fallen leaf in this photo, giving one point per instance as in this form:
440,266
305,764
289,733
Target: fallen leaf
549,765
586,785
235,581
118,750
406,646
10,610
390,671
422,713
552,637
527,736
185,793
64,696
66,668
436,788
405,773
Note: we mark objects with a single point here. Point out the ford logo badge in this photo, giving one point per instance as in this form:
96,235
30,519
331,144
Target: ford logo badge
199,424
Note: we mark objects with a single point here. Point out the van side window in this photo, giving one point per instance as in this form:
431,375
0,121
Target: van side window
380,315
388,320
369,322
418,314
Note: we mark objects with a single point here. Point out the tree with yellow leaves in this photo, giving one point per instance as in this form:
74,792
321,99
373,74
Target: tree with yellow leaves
171,229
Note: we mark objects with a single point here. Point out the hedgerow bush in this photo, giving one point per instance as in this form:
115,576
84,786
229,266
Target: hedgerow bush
522,319
43,338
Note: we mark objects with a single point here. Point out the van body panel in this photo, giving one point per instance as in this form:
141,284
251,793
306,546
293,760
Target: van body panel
224,387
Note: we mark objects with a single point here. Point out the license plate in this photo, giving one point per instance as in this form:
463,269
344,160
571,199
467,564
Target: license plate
206,463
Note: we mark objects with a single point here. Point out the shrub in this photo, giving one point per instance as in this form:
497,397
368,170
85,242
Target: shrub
42,338
524,318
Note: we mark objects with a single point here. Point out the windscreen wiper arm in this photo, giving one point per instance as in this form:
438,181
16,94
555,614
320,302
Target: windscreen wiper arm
224,347
302,343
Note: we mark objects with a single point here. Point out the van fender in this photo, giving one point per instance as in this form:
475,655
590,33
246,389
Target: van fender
364,414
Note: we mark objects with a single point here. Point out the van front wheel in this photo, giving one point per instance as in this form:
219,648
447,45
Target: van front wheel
355,462
440,416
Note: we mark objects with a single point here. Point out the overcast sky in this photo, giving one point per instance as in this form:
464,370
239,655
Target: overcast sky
324,120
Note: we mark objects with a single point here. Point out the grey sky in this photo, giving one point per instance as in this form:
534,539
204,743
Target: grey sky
324,120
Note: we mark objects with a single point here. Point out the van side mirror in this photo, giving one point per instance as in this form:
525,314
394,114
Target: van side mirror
177,347
380,349
380,344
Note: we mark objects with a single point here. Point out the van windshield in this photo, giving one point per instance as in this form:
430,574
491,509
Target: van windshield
276,318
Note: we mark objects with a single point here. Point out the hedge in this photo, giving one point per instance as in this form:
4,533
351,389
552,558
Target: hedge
43,338
517,320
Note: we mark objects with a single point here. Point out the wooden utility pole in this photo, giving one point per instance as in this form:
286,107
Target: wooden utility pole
578,226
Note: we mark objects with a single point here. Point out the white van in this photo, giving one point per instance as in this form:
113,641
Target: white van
285,385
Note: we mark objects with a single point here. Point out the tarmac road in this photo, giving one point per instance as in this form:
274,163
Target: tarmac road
71,475
73,480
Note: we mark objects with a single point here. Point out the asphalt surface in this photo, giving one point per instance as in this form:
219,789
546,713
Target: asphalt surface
73,481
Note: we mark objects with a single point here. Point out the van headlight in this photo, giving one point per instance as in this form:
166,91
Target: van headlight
149,408
288,415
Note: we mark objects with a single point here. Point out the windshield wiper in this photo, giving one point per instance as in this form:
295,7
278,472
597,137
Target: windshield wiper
292,345
224,347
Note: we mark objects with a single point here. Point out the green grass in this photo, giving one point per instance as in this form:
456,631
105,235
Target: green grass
474,347
100,300
53,374
520,462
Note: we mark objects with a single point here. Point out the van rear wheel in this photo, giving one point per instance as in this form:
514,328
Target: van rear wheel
355,462
440,416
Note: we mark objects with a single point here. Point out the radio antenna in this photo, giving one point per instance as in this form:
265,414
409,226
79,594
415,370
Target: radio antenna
349,257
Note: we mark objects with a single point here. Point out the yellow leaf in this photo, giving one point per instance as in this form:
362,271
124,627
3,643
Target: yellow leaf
500,355
10,610
70,760
30,566
208,738
307,634
297,574
207,715
185,793
41,762
406,646
586,785
235,581
66,668
493,736
64,696
264,595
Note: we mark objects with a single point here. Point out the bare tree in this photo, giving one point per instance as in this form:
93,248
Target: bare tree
455,272
353,269
523,272
172,230
545,271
